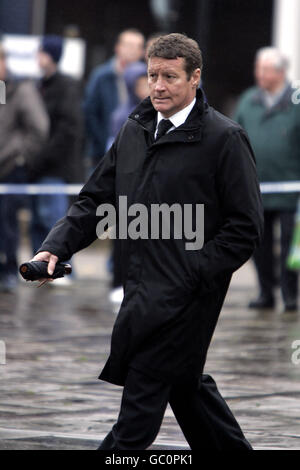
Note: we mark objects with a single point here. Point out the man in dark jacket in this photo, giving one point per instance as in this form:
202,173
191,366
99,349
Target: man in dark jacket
106,91
173,293
56,162
272,121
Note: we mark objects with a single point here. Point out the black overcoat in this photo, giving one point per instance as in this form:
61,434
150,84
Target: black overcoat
173,296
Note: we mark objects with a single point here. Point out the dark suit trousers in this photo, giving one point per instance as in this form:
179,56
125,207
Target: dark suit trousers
264,257
201,412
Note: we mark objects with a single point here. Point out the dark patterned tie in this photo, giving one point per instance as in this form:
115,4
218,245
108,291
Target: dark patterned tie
163,127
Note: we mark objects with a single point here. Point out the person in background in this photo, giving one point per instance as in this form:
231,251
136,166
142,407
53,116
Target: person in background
24,129
272,121
136,79
106,90
55,162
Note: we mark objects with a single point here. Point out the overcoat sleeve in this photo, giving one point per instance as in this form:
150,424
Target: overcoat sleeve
77,229
241,227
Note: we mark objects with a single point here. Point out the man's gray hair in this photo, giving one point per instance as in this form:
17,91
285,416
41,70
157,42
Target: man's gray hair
279,60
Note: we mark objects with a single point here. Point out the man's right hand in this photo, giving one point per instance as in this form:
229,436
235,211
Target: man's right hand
51,259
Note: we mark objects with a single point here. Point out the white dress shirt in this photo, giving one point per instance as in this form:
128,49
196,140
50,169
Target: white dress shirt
177,119
271,99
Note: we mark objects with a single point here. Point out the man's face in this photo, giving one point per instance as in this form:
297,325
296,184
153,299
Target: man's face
130,47
170,89
267,76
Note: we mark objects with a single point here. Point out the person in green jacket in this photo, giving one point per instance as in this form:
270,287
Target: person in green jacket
271,117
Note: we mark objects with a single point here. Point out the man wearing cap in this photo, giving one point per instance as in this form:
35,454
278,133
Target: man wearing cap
58,158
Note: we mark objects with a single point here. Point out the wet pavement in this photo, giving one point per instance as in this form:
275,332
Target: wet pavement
57,340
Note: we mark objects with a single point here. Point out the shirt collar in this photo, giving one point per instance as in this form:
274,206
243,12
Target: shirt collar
272,99
178,118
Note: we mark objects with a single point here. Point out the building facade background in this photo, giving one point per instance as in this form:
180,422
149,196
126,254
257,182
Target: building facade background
229,31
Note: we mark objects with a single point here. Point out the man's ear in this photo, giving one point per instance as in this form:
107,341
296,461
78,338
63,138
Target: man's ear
195,78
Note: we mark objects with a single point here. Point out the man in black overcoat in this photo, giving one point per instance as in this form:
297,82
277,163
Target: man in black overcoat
174,149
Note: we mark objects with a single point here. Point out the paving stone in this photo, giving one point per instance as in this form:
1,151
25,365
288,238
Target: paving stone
57,341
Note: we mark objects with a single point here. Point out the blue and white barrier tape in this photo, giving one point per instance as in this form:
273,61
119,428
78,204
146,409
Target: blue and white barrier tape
34,189
280,187
73,189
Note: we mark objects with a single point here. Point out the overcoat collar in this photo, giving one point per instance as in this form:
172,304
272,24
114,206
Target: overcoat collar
190,130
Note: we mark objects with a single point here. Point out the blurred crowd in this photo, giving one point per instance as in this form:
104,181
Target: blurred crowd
54,130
